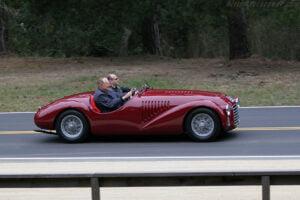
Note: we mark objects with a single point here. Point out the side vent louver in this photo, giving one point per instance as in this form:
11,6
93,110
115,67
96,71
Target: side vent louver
151,109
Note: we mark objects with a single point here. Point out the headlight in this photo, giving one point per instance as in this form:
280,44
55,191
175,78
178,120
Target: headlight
231,99
234,100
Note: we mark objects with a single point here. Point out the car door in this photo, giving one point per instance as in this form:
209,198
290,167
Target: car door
124,120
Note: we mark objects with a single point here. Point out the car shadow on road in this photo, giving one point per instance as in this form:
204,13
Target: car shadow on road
142,139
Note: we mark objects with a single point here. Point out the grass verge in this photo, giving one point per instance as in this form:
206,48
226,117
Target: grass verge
27,83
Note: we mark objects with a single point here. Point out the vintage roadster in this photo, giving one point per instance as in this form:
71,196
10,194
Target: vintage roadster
201,115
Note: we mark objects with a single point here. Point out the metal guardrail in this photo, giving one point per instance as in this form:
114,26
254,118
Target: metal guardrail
97,180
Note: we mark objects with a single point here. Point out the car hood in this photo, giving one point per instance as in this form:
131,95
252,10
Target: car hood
171,92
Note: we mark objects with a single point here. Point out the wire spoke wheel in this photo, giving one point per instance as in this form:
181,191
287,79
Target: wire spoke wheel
71,126
202,124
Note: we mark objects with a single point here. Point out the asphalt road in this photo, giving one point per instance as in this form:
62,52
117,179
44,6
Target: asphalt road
244,142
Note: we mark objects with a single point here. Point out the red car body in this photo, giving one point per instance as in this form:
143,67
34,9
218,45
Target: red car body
152,111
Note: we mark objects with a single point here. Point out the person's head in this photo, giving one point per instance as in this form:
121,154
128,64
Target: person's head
113,79
103,83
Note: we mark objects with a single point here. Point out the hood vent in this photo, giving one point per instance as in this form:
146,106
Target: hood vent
179,92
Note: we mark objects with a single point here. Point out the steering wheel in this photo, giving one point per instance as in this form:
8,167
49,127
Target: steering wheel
142,89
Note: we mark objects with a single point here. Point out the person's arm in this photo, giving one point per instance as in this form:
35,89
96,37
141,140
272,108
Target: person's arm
127,96
108,102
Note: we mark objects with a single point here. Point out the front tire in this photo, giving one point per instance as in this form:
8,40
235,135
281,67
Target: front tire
72,126
203,125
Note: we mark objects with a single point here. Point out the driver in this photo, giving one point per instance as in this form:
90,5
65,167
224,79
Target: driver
105,99
115,88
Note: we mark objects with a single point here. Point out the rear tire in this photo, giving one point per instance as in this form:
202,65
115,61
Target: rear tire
72,126
203,125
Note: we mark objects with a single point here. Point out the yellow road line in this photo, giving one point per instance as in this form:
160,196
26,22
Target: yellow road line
268,129
16,132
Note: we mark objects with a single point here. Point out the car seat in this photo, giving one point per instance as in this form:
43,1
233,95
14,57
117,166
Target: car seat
93,105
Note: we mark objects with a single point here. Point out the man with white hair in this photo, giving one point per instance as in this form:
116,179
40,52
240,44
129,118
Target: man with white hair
105,100
115,88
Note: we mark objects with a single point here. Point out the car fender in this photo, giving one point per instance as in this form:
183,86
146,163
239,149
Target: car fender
174,117
46,116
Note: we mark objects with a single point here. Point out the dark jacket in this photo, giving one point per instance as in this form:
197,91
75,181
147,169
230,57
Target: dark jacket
107,101
119,91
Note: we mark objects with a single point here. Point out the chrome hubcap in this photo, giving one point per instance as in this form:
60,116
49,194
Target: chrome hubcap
71,126
202,124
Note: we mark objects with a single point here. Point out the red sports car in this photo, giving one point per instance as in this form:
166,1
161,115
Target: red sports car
201,115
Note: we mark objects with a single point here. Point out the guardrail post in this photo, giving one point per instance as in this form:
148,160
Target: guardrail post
95,188
265,181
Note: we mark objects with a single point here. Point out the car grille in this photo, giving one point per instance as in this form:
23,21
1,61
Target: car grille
236,115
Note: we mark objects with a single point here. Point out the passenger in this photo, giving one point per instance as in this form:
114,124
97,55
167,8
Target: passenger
105,100
115,88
